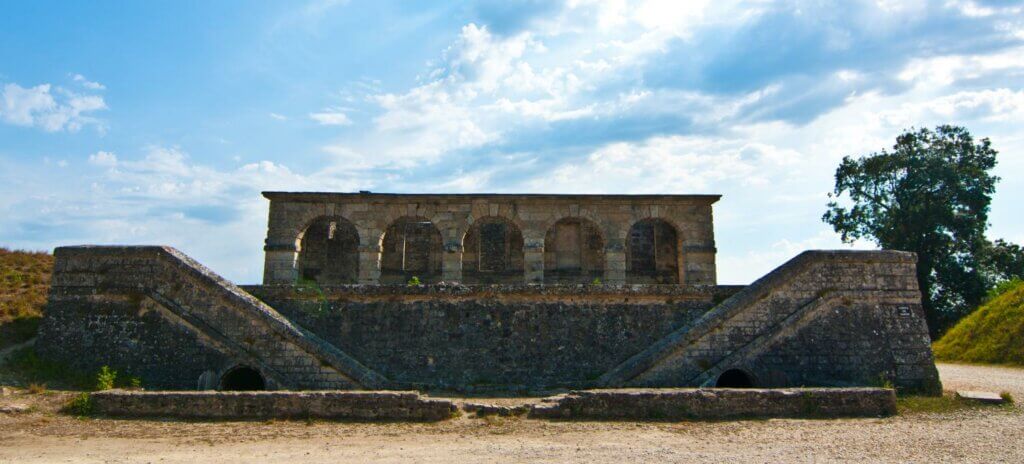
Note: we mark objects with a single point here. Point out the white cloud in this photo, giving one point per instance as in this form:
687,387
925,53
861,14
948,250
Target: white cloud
331,117
278,117
103,158
39,107
87,83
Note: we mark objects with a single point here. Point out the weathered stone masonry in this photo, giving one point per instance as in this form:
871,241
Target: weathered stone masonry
656,319
533,238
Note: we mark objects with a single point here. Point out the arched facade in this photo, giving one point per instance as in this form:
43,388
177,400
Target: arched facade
545,223
328,252
573,252
652,253
492,252
412,247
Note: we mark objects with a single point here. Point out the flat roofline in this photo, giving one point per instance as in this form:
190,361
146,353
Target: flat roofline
320,196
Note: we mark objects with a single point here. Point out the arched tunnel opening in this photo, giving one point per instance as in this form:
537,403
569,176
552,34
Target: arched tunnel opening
734,378
243,378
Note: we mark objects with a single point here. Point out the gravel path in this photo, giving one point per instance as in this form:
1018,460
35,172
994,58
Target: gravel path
975,435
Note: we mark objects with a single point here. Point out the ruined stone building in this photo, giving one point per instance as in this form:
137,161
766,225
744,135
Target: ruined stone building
482,292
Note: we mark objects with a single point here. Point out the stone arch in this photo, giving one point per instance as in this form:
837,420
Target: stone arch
411,247
652,252
574,252
492,252
735,378
242,378
328,251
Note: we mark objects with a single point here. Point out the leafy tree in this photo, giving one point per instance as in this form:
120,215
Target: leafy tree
1003,261
929,195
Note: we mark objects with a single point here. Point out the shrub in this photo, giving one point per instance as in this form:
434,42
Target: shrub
106,378
80,405
596,281
414,281
37,388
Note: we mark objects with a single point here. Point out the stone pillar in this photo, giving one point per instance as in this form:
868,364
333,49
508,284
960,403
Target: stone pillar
451,263
369,264
533,262
615,263
279,265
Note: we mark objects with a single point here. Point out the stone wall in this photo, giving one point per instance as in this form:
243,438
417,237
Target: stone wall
478,338
610,217
375,405
840,318
683,404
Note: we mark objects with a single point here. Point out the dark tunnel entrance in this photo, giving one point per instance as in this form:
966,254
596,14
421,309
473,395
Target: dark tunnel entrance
734,378
243,378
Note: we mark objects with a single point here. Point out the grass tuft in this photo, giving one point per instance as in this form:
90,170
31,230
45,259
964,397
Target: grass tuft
946,403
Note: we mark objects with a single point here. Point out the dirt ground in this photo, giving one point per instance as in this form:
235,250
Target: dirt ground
989,434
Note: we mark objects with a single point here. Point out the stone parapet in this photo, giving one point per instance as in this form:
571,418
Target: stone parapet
346,405
718,404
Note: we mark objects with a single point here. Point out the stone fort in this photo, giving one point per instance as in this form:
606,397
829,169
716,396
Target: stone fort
485,292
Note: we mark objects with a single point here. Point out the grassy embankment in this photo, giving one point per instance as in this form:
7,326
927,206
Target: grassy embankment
992,334
24,282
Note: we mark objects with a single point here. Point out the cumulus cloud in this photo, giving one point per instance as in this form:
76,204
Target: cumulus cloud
52,111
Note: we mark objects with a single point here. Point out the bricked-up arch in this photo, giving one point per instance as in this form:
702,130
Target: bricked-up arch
573,252
329,252
412,247
652,253
492,252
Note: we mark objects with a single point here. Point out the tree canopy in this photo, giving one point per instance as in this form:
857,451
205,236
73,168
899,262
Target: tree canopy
930,194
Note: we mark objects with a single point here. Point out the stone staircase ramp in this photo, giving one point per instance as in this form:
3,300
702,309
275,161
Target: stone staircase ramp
227,317
751,320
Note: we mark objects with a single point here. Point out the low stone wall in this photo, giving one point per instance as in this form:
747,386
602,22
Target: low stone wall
350,405
719,403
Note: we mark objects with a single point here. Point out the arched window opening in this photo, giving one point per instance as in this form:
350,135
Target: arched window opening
734,378
329,252
573,252
492,252
652,253
243,378
412,248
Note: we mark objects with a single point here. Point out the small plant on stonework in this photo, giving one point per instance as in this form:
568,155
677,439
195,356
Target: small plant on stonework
414,281
106,378
37,388
135,383
596,281
80,405
305,285
1007,397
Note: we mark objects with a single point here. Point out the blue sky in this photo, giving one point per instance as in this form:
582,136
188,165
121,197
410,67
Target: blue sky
159,122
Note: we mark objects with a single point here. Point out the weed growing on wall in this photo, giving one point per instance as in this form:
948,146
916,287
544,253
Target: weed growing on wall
311,287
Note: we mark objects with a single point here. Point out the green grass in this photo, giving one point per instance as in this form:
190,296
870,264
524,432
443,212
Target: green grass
28,368
993,334
946,403
24,283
